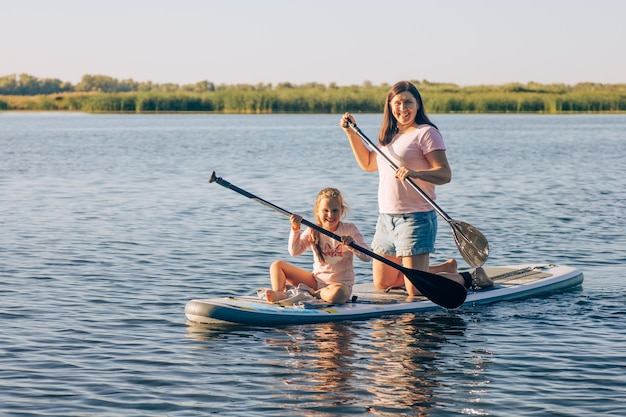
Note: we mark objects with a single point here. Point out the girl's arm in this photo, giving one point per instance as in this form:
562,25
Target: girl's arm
299,241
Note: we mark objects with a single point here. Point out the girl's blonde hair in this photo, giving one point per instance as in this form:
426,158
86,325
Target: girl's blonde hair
329,193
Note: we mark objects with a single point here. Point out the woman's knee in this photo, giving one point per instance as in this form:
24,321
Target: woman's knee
387,277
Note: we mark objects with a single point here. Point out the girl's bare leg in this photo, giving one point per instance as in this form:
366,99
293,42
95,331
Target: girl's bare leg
282,273
335,293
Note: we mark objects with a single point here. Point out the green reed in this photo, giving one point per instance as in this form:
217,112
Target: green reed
106,95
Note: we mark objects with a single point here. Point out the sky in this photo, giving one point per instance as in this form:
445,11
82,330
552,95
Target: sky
346,42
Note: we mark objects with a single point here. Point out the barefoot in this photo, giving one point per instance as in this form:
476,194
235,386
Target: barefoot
272,296
448,266
482,280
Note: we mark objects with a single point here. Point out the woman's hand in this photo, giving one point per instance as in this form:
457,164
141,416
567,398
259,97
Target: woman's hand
438,174
403,172
347,117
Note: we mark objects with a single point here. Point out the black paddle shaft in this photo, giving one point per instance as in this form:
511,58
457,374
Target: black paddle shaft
227,184
440,290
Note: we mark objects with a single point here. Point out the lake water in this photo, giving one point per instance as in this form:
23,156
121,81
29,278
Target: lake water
109,226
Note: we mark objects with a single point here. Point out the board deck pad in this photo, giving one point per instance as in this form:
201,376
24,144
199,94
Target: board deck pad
502,277
510,282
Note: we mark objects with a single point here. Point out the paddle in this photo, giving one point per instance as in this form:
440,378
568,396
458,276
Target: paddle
472,244
438,289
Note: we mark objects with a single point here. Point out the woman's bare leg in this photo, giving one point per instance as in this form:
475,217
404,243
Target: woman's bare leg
385,276
419,262
448,266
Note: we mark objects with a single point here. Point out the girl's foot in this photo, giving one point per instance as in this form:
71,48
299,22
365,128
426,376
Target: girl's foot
273,296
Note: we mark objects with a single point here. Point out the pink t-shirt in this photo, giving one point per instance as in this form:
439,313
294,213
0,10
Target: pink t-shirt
337,266
409,149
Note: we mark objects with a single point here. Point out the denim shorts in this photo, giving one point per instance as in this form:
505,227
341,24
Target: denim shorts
405,234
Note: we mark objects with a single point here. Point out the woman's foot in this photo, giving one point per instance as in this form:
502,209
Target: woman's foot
448,266
481,279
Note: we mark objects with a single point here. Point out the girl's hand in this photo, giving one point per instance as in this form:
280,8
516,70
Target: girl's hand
347,240
345,119
295,220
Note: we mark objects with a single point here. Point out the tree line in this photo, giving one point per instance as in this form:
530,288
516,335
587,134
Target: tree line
99,93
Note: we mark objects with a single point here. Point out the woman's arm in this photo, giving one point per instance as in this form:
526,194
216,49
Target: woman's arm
439,173
364,157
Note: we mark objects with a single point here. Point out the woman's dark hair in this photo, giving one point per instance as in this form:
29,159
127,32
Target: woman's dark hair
389,127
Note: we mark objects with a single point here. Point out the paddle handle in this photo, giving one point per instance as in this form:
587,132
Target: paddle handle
421,192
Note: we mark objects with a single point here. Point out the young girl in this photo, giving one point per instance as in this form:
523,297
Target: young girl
332,277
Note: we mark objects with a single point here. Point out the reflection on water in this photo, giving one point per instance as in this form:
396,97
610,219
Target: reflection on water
212,331
323,357
406,361
384,366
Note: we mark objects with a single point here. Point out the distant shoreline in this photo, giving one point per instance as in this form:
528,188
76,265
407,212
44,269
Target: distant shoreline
312,102
102,94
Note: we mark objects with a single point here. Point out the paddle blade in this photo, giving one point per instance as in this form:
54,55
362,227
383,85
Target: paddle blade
438,289
472,244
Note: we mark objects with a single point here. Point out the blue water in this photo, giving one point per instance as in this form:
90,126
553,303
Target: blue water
109,226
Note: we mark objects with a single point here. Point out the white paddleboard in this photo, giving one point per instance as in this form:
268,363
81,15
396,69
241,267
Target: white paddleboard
510,282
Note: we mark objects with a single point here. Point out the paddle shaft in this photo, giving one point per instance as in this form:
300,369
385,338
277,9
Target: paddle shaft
421,192
440,290
328,233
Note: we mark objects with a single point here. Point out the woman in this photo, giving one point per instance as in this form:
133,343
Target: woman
407,224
